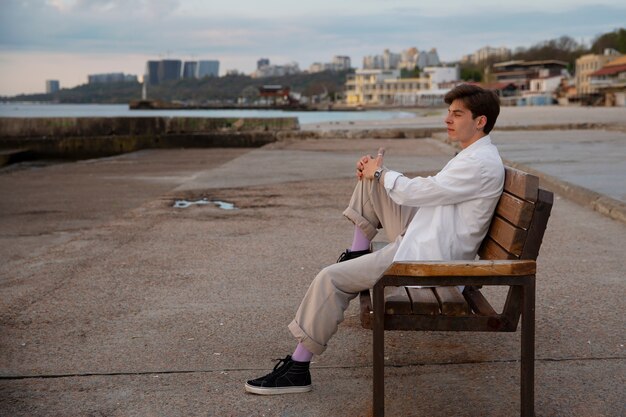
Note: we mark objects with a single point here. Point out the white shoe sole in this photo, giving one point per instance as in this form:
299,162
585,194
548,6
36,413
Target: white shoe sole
277,391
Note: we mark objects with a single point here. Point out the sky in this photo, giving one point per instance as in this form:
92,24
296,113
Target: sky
67,40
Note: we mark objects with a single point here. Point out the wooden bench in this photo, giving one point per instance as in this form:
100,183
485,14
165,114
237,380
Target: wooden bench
507,258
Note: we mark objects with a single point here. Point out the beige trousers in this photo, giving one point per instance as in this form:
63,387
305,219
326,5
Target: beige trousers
330,293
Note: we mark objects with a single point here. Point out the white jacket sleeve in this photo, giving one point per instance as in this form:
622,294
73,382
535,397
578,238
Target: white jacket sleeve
460,181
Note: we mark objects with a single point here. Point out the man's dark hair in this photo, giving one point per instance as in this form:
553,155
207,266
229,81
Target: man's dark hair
479,101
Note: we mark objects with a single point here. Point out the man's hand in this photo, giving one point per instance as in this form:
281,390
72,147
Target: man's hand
367,165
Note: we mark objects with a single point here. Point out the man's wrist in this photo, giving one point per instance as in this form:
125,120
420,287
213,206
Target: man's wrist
379,173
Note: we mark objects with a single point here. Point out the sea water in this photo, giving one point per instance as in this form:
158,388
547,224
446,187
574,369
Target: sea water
122,110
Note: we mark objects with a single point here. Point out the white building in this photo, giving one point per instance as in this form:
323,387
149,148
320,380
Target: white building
384,87
544,85
441,75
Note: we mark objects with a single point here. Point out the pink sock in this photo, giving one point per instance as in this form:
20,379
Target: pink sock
359,241
301,354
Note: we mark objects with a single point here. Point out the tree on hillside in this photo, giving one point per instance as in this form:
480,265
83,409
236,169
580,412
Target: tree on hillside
410,73
615,40
472,72
564,48
250,94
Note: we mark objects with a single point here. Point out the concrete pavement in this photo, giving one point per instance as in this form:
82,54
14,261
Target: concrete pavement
115,303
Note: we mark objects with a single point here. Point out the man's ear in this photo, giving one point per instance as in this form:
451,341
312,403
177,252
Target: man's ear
482,122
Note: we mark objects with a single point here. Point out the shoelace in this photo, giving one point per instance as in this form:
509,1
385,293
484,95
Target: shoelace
343,256
280,362
348,254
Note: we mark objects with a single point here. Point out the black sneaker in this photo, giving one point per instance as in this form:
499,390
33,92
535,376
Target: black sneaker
288,377
348,254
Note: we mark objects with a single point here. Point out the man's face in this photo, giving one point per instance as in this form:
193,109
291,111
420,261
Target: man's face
462,127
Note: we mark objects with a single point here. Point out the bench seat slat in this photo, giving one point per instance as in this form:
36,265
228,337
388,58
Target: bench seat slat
452,301
423,301
397,301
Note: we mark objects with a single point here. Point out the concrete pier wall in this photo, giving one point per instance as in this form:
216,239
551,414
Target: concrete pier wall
103,126
92,137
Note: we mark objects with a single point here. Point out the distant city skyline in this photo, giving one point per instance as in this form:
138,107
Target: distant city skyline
67,40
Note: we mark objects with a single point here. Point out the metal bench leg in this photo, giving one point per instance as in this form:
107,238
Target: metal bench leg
379,351
528,350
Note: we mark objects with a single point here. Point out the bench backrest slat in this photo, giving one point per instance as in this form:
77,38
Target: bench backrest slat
491,250
515,210
520,219
507,235
521,184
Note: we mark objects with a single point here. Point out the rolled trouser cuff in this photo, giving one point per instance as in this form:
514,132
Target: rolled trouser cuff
361,222
311,345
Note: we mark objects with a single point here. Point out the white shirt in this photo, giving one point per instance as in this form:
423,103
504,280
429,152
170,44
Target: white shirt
455,206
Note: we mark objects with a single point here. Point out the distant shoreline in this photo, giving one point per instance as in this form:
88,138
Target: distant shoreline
159,105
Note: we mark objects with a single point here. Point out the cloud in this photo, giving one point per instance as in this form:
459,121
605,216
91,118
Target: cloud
145,8
238,33
150,26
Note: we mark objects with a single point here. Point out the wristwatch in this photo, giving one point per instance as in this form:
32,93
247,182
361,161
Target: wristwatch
378,173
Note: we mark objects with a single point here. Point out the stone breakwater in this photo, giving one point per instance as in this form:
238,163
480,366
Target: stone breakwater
90,137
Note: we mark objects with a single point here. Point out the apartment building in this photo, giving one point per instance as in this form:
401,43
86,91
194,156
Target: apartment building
521,72
173,69
159,71
111,77
427,59
190,68
387,61
52,86
265,69
151,74
587,65
384,87
339,63
486,53
169,69
408,59
208,68
610,82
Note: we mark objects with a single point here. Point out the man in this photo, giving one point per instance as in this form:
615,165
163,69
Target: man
444,217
